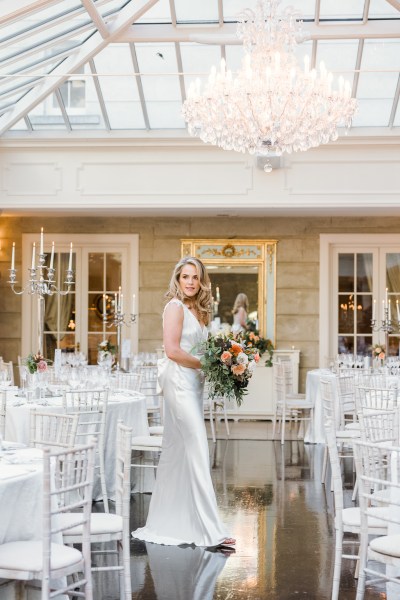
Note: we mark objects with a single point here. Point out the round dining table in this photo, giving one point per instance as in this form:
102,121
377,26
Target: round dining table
127,406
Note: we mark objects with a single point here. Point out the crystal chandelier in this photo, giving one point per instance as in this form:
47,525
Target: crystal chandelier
272,105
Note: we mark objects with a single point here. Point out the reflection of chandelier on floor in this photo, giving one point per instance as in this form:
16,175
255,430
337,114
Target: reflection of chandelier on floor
271,106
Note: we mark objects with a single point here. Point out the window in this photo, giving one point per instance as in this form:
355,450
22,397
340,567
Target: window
102,264
359,294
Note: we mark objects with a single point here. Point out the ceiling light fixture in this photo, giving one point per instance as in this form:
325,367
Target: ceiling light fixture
271,105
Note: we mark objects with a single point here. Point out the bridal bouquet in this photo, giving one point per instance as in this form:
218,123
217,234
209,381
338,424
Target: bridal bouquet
228,365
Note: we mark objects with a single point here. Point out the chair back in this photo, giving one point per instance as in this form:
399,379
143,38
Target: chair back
7,372
54,430
336,474
91,408
376,398
70,489
380,426
123,472
128,381
328,399
378,474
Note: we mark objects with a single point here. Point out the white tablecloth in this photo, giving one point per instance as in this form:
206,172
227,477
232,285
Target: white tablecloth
130,408
316,434
20,501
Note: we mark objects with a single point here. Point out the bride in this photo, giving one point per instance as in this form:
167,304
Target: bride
183,507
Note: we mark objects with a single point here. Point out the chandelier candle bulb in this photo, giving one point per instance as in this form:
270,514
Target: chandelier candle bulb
33,255
41,241
383,310
52,256
386,298
13,257
121,303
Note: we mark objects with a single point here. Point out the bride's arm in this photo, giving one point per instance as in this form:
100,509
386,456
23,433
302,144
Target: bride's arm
173,325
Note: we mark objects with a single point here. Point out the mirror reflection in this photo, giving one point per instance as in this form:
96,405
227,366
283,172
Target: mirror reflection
228,281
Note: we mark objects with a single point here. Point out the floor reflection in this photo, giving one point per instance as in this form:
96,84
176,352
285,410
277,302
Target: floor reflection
273,502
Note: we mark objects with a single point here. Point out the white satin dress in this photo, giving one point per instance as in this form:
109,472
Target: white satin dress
183,507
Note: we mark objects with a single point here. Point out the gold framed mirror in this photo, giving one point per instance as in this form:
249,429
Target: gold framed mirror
240,266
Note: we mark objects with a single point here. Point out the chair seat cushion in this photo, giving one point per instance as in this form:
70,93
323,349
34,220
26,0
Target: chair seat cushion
28,556
99,523
147,440
294,396
352,517
352,426
387,544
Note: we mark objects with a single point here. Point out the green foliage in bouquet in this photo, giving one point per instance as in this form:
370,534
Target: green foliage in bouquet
252,337
107,346
36,363
228,366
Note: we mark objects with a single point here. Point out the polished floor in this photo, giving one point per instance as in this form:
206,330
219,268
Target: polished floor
274,504
281,515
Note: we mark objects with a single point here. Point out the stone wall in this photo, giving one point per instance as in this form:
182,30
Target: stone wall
297,267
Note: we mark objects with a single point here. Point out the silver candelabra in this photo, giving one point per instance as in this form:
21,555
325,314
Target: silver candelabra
387,324
41,282
119,318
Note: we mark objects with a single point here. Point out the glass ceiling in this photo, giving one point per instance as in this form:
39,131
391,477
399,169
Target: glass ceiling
117,65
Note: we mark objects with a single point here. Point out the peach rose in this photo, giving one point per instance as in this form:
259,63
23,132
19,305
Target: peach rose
256,357
238,369
226,357
381,356
251,336
236,348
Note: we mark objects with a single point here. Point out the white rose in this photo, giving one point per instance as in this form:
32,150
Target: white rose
242,359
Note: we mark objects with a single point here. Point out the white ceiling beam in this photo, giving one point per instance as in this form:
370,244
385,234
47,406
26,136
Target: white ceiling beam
389,28
129,14
96,18
26,8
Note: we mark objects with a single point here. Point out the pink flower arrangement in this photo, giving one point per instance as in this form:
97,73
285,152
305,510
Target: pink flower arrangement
36,363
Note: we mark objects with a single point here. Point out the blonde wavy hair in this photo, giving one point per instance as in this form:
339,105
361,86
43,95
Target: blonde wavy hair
202,302
241,301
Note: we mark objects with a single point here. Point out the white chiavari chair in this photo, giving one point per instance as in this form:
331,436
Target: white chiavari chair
53,430
287,405
347,520
47,561
378,472
107,527
91,408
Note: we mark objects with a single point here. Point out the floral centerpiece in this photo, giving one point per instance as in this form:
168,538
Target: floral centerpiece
252,337
379,352
107,346
228,365
36,363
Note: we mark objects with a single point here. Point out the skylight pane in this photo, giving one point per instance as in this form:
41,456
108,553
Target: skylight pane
156,60
372,113
342,9
47,115
381,54
119,87
232,8
82,103
339,57
189,12
377,85
197,59
159,13
382,9
165,115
